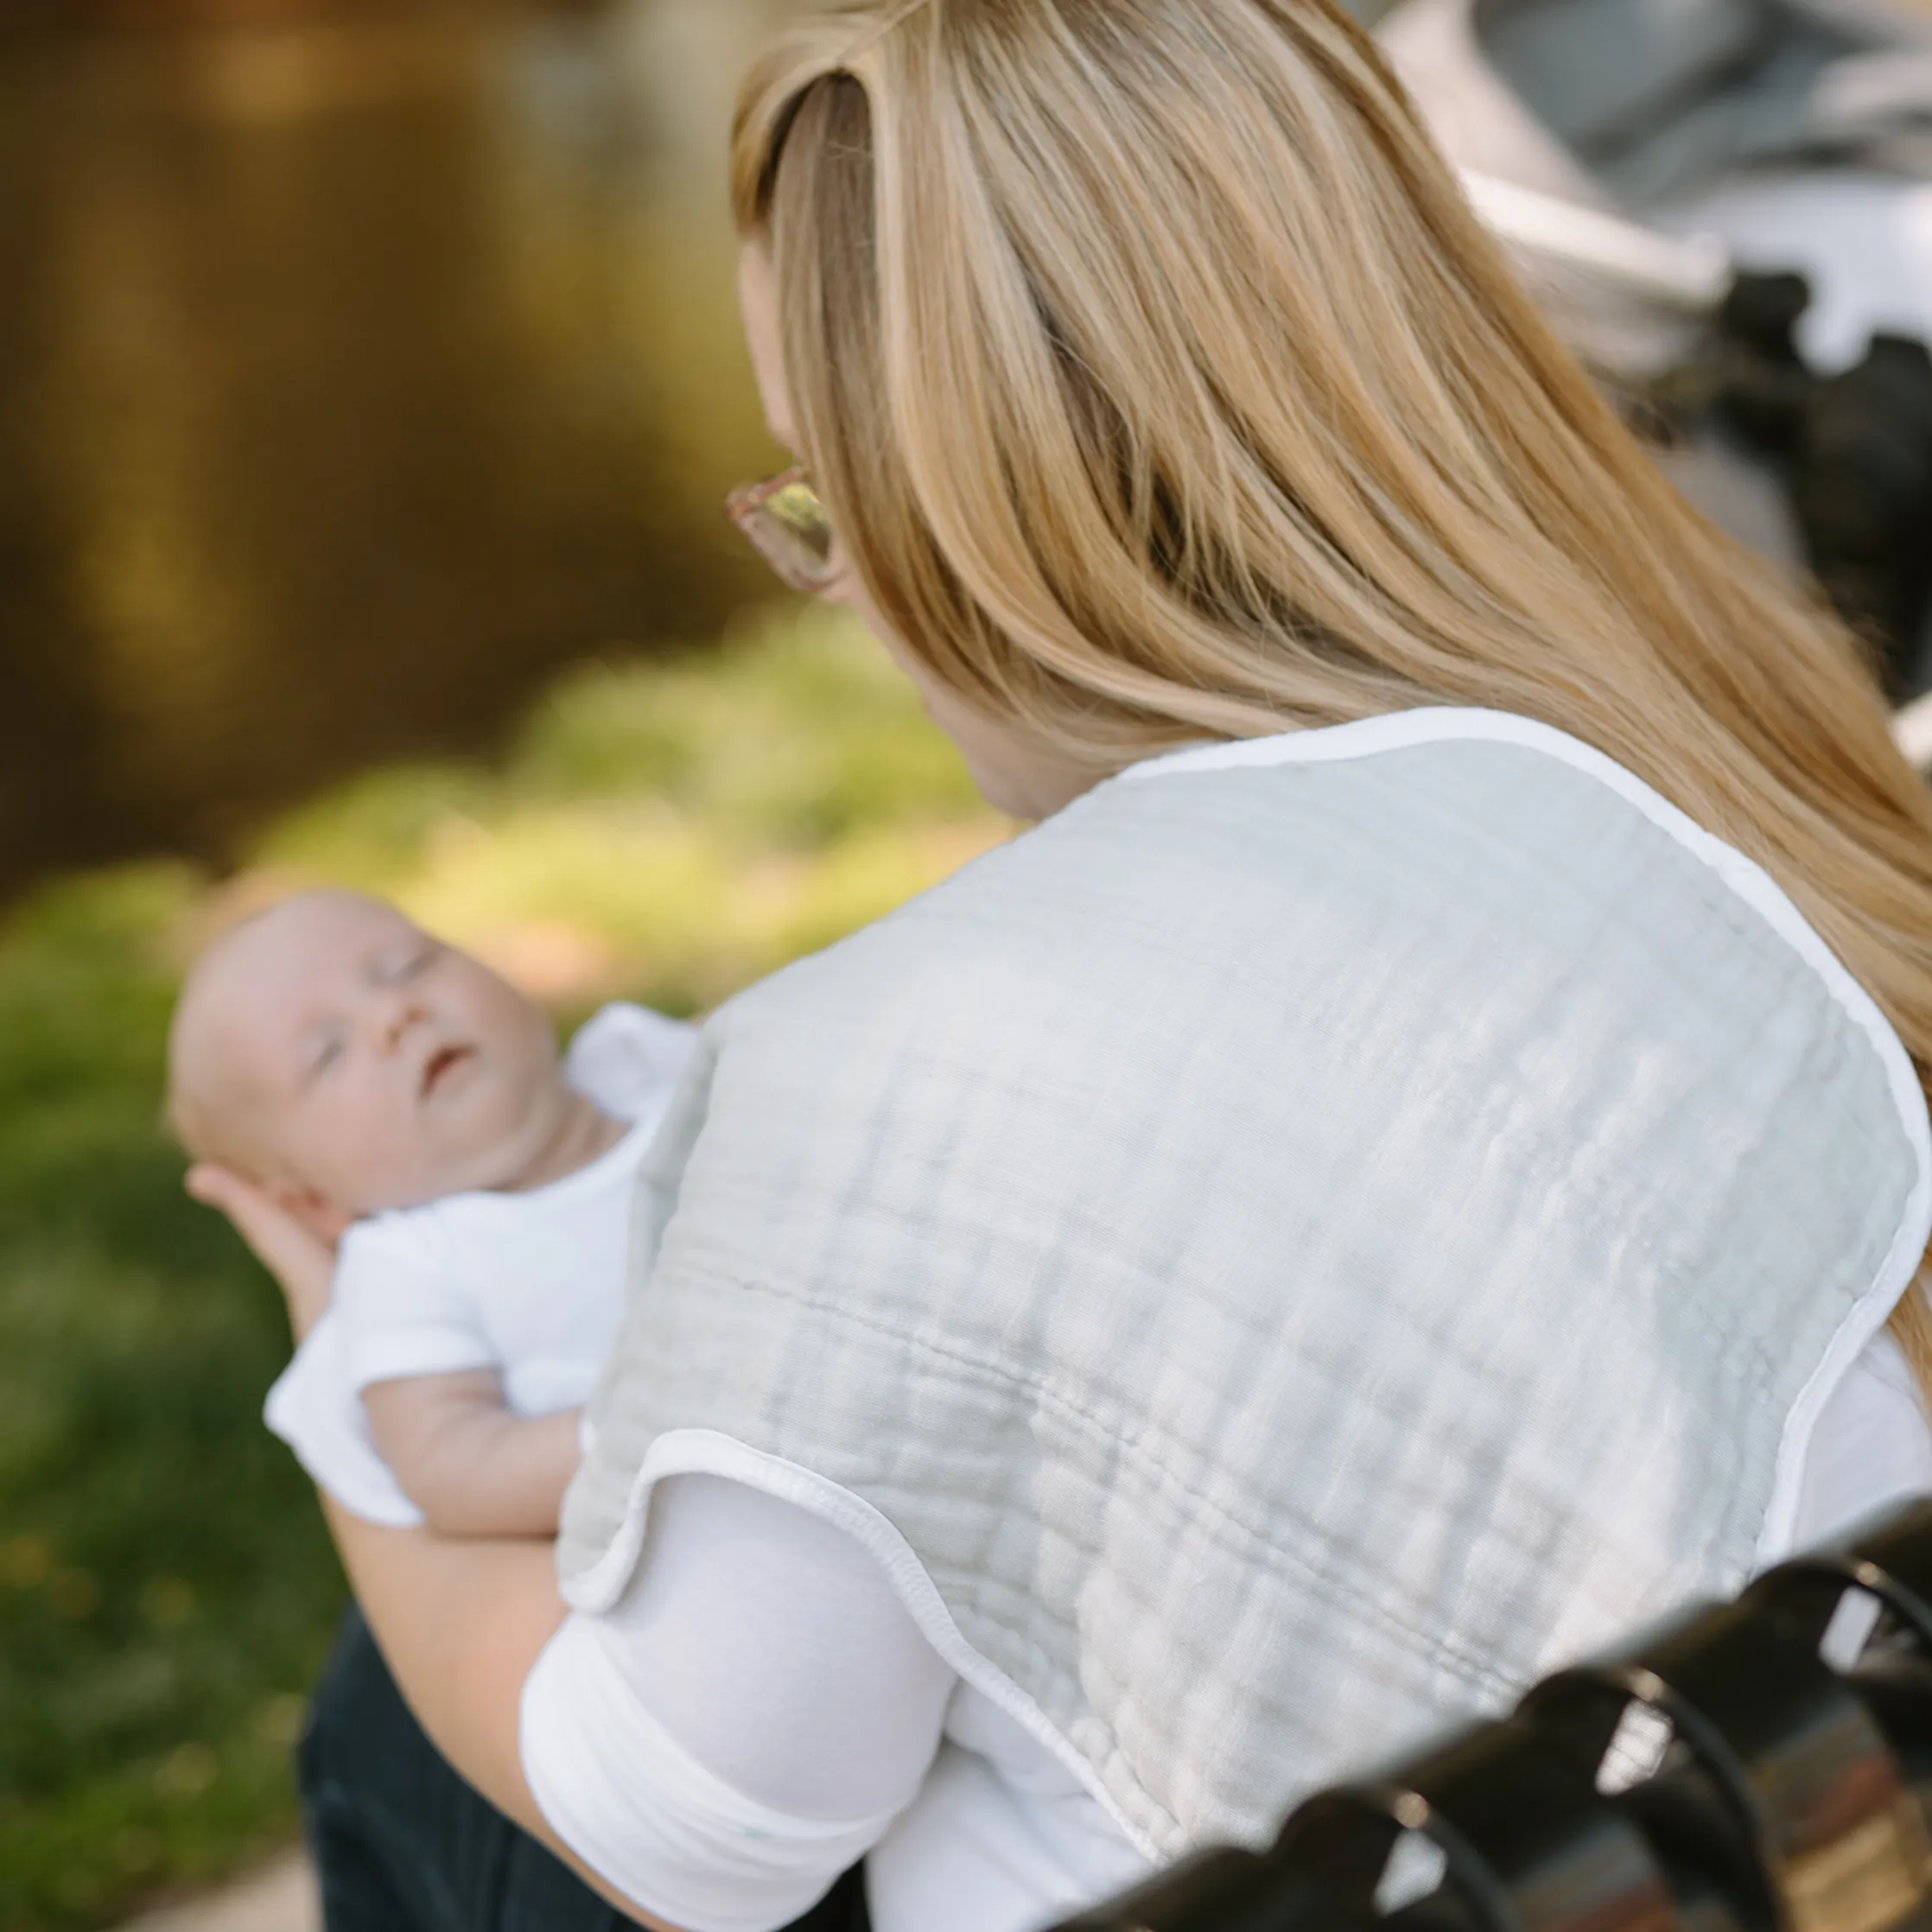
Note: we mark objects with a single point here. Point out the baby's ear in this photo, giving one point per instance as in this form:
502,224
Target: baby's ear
321,1216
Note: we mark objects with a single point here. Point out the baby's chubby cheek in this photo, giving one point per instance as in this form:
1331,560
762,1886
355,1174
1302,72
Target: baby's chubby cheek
371,1160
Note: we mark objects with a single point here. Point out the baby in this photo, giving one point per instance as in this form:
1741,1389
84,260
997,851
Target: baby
383,1086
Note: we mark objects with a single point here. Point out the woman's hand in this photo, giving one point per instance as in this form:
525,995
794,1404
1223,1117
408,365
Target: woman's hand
293,1236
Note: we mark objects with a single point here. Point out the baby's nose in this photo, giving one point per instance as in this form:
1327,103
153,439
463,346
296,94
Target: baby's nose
391,1013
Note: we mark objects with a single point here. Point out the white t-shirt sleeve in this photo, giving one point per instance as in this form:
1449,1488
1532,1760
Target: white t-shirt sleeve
1872,1446
311,1409
744,1725
404,1307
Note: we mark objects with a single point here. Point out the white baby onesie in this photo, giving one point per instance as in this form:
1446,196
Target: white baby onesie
530,1285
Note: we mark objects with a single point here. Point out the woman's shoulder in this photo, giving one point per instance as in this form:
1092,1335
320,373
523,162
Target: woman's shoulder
1454,840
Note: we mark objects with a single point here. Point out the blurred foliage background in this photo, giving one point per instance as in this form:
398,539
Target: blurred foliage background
368,381
665,832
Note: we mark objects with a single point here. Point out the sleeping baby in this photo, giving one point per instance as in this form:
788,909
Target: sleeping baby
381,1085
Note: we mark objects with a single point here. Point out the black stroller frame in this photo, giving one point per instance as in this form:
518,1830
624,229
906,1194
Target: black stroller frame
1764,1765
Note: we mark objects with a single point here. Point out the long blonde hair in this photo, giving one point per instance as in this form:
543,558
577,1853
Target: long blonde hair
1161,386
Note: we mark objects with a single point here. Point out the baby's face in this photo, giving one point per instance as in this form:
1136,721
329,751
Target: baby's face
366,1060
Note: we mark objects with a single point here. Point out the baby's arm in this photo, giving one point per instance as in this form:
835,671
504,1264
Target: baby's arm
472,1467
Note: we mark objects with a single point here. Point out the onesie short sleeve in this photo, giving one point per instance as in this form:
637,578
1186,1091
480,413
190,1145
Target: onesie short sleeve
406,1310
313,1410
627,1059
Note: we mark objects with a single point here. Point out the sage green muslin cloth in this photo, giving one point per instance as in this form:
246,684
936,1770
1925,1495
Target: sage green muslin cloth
1307,1239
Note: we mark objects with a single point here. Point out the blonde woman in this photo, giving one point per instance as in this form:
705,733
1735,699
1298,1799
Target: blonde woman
1417,1164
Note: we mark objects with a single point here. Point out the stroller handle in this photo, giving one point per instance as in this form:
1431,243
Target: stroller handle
1692,275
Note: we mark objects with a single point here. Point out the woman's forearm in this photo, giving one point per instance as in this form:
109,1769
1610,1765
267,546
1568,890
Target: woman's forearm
461,1623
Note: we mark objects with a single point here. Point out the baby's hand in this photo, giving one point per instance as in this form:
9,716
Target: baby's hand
472,1467
295,1243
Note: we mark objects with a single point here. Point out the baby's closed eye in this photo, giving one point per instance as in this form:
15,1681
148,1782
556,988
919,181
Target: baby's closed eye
411,963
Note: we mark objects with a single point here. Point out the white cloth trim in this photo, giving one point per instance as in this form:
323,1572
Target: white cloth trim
704,1451
1436,724
777,1652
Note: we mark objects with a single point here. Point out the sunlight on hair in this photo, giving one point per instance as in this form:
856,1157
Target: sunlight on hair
1220,413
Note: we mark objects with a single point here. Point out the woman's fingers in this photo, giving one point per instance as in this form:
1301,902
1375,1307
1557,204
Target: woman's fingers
297,1248
203,1182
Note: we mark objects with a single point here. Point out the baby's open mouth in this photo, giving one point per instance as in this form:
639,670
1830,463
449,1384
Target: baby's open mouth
444,1060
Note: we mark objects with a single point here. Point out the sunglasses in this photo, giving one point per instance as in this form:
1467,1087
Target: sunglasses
788,527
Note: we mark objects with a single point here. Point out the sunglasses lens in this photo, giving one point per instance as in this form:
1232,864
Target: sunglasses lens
797,519
787,523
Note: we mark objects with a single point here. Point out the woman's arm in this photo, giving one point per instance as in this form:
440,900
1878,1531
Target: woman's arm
745,1722
460,1625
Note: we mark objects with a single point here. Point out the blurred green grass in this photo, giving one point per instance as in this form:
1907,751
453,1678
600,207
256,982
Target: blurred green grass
664,832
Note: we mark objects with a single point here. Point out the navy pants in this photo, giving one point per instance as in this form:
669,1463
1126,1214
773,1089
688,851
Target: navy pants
402,1844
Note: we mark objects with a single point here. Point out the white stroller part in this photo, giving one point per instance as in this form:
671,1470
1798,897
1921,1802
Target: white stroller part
1798,132
1638,155
1863,240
